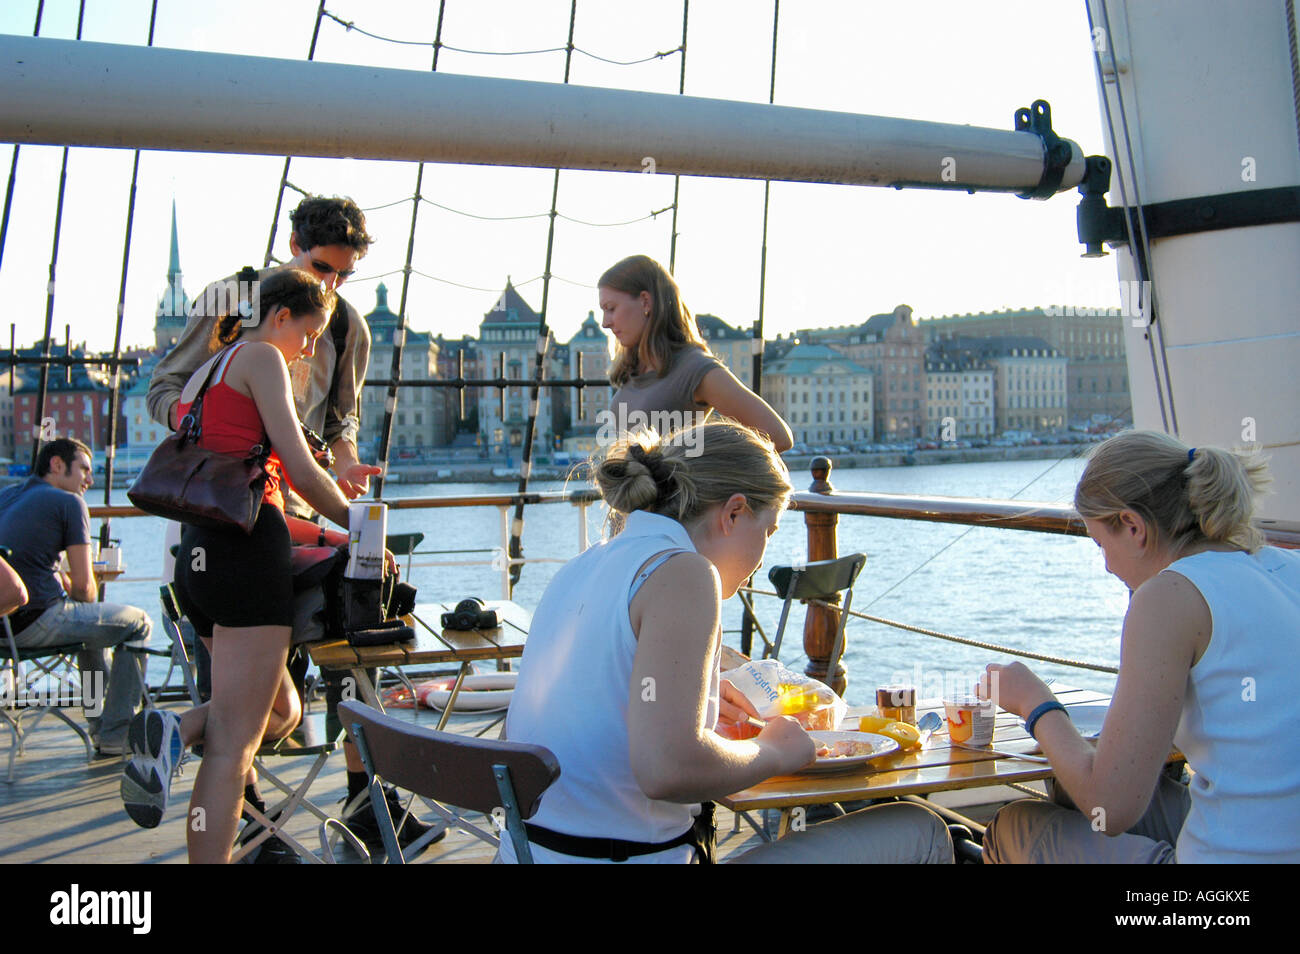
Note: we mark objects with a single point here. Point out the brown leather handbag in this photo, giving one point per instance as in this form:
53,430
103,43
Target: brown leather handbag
186,483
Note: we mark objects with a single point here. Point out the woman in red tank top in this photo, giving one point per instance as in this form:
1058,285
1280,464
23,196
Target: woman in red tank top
237,588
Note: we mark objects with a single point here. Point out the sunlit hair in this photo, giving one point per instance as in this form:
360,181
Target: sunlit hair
326,220
1210,498
669,328
293,288
681,476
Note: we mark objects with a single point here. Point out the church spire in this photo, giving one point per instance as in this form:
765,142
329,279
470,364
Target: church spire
174,305
174,266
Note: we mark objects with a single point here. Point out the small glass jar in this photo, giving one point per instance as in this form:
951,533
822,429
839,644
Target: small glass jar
897,703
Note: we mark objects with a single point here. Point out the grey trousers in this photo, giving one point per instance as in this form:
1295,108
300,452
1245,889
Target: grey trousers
1038,832
98,627
894,834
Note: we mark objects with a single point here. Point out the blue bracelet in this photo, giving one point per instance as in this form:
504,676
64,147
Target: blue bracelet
1041,711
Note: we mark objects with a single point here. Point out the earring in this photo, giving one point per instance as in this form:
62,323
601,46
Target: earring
645,314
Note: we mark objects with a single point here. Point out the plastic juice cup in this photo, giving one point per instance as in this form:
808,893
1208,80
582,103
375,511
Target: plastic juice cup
970,720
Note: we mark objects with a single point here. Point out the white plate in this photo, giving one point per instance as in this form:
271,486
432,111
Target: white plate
880,745
489,692
1088,717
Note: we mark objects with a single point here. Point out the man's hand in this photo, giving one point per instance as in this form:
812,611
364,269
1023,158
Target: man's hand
354,479
353,476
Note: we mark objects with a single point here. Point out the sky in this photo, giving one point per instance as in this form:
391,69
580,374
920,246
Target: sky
836,254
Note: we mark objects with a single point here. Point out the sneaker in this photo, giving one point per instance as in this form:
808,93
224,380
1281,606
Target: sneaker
359,816
273,851
156,747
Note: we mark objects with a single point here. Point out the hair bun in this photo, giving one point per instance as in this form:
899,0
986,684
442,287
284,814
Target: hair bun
653,461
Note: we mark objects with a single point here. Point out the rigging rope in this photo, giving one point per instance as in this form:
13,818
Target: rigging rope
677,179
932,557
43,388
13,165
1140,245
351,26
539,367
399,336
533,215
284,176
978,644
115,396
1295,62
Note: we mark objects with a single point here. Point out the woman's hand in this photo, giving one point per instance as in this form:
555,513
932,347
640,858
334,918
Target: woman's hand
792,746
733,706
1014,688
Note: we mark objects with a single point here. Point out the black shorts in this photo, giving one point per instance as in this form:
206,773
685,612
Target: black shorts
235,579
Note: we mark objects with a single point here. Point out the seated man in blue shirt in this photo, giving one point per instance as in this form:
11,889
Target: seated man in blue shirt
39,519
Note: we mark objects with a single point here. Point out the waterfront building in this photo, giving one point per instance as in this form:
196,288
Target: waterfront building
77,407
1029,382
510,329
822,395
892,348
450,366
592,343
418,417
959,390
6,417
1091,339
732,346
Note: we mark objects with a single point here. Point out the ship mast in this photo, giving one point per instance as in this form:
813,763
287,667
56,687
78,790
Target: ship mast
1199,112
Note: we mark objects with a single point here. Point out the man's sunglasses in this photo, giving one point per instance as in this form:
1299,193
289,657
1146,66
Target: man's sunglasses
325,268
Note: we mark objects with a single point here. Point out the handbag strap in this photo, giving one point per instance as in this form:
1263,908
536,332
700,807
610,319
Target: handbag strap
194,428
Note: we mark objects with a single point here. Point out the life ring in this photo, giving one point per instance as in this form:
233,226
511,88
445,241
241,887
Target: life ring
478,693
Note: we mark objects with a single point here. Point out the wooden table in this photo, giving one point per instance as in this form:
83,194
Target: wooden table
432,646
937,767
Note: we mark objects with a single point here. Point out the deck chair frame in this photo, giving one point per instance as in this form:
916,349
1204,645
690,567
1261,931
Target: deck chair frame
17,702
823,580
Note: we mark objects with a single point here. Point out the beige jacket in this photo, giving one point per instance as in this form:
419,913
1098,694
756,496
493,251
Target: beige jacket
311,377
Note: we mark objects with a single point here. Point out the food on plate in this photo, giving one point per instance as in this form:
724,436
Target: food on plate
843,749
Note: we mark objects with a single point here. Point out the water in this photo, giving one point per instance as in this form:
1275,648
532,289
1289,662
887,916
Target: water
1042,592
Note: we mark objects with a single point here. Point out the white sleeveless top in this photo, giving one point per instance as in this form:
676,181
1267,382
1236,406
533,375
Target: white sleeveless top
1241,716
572,697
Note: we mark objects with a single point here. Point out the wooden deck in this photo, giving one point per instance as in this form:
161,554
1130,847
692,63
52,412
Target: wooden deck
61,810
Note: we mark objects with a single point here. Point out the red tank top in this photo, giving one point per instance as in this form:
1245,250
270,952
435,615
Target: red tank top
231,425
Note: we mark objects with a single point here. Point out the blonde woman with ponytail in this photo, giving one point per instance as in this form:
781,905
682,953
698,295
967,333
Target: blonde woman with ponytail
620,677
1209,664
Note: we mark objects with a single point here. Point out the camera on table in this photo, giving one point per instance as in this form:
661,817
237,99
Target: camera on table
470,614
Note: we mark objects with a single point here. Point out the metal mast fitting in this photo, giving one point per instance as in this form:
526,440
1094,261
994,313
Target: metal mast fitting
101,94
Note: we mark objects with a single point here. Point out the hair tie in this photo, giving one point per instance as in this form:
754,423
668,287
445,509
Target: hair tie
1189,454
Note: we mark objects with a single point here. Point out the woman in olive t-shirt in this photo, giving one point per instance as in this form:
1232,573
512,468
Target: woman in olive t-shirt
665,375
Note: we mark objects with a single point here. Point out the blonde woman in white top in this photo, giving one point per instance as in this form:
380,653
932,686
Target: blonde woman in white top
1209,663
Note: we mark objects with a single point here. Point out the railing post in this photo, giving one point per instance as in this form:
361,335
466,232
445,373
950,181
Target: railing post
820,623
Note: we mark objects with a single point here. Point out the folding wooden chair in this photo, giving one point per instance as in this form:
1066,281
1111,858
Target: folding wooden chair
502,780
822,580
263,826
